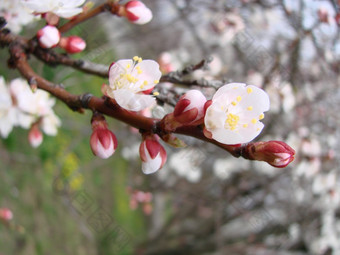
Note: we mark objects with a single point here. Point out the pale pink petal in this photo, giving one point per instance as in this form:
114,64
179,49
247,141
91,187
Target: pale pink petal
131,101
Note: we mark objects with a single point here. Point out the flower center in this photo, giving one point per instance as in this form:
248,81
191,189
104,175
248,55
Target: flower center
231,121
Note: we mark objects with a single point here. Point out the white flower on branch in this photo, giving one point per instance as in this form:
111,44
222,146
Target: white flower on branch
131,80
62,8
19,106
235,113
16,14
7,111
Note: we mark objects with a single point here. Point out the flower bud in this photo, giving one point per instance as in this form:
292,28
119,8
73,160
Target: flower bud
103,142
35,136
6,214
152,154
137,13
48,36
275,153
190,108
72,44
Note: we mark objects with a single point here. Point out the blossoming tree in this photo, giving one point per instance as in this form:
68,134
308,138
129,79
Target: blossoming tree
227,113
230,120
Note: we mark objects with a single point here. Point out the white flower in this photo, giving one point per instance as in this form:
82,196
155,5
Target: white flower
129,79
7,111
35,105
15,14
235,113
62,8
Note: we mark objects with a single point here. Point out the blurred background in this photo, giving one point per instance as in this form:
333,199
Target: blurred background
64,200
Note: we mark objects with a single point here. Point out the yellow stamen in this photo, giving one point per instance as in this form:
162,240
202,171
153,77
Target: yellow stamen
140,60
231,121
239,98
139,71
128,66
145,83
156,81
155,93
249,90
253,121
245,125
261,116
233,103
135,58
249,108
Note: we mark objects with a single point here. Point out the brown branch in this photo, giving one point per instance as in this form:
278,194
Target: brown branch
107,107
112,7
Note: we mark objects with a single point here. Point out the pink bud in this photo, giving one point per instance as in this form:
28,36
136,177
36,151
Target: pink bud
152,154
72,44
35,137
48,36
6,214
275,153
190,108
137,13
103,142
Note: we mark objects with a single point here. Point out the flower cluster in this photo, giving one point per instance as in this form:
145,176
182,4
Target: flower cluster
233,116
19,106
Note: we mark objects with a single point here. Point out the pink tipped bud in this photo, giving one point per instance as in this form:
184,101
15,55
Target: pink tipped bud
137,13
6,214
103,142
152,154
48,36
275,153
190,108
35,137
72,44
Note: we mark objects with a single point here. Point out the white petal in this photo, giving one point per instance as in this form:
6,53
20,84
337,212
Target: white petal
118,68
258,99
215,117
131,101
152,165
50,124
230,89
68,13
150,74
72,4
104,153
